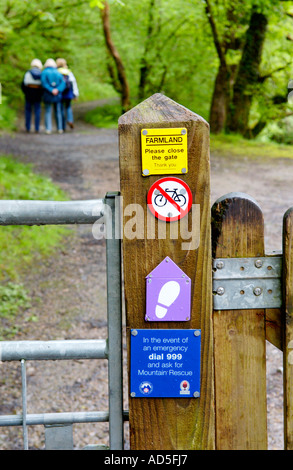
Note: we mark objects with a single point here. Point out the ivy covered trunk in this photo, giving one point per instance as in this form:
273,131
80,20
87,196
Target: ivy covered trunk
247,76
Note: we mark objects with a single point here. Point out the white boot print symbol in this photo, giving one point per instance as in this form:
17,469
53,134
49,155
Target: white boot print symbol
167,296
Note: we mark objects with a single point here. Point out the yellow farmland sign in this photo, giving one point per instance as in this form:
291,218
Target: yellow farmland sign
164,151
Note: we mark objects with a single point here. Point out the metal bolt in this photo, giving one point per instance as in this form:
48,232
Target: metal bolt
183,170
146,172
134,332
258,263
257,291
220,291
220,264
149,281
196,394
183,131
156,192
196,333
144,132
182,191
169,214
133,394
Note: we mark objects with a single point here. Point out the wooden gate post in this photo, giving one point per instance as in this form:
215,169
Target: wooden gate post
239,335
168,423
288,327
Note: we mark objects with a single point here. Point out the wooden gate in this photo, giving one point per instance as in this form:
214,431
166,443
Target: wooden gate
240,297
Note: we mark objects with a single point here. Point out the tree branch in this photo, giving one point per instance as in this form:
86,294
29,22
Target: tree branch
125,95
265,77
217,41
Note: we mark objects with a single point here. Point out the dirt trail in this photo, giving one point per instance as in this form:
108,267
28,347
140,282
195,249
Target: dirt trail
69,289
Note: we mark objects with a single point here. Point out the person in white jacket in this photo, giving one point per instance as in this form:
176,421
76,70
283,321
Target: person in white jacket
71,92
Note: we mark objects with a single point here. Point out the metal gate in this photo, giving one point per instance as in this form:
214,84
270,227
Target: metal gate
58,426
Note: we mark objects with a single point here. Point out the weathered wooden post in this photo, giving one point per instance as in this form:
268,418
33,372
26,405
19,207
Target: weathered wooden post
239,334
287,327
165,186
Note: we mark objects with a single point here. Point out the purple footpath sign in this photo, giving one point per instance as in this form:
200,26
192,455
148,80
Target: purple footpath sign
168,293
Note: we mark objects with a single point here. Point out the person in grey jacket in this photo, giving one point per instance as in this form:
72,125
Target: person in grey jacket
53,85
33,92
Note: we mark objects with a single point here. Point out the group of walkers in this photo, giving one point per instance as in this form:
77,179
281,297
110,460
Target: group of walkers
56,86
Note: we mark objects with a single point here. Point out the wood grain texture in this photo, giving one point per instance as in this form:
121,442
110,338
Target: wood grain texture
288,327
167,423
239,335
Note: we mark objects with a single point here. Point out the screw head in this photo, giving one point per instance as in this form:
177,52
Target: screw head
258,263
146,172
133,394
196,333
196,394
257,291
144,132
220,264
183,170
134,332
220,291
183,131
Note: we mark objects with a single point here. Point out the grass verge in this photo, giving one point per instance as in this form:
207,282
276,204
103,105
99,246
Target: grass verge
104,116
21,246
236,146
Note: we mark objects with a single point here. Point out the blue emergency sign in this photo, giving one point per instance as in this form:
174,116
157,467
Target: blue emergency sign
165,363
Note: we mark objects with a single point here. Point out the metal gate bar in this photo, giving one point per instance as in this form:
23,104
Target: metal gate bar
75,212
35,419
25,212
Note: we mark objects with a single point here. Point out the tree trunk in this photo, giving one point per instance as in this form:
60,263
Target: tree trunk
248,74
220,100
145,66
125,94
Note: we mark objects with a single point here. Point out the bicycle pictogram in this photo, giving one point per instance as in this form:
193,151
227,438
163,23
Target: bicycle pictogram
179,198
169,199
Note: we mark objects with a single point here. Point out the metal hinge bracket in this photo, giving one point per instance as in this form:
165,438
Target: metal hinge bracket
247,283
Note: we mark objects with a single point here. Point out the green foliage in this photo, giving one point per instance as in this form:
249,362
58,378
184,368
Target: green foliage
165,47
12,298
234,146
7,116
21,246
104,116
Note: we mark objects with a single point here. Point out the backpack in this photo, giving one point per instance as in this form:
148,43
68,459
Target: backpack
68,84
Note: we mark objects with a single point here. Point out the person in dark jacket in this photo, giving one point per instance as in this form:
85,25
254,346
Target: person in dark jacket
53,85
33,91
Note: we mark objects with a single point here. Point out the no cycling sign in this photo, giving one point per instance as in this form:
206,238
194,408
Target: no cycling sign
169,199
164,151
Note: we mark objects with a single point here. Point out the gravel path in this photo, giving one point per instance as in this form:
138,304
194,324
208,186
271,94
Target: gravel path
69,290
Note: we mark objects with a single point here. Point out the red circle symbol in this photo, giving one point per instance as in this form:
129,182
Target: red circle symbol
169,199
